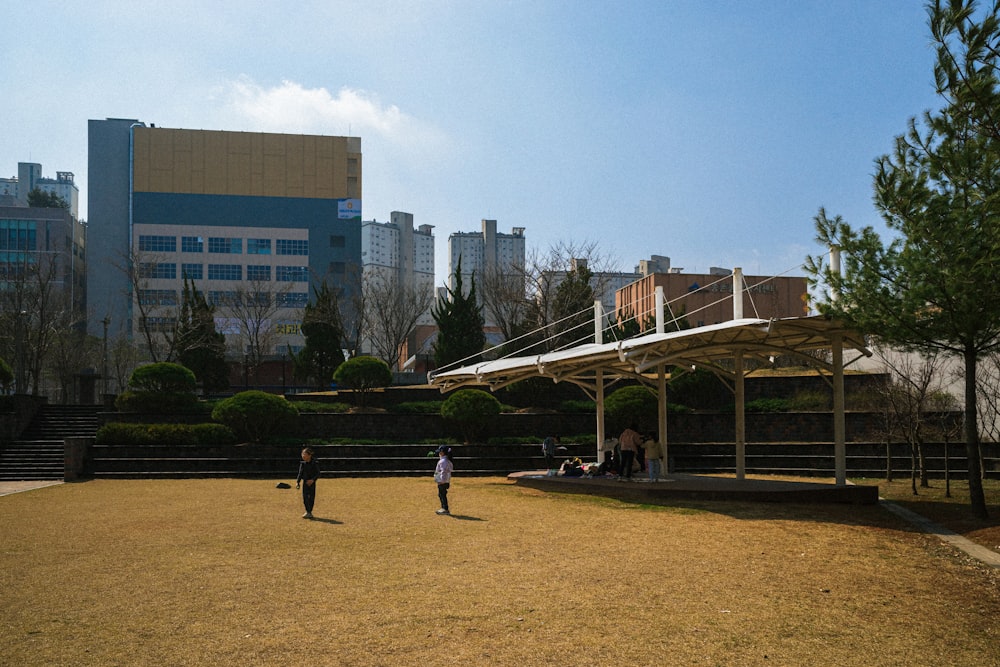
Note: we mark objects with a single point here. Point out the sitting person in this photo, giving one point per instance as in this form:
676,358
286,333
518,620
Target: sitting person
572,468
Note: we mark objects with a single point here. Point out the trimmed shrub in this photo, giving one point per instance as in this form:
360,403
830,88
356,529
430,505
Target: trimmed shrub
160,388
472,410
417,408
163,377
577,406
363,374
631,405
766,405
120,433
255,415
157,403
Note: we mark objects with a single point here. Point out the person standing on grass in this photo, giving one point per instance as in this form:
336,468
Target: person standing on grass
308,474
549,451
654,452
442,475
629,441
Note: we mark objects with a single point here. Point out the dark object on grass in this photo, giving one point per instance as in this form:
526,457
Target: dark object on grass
282,485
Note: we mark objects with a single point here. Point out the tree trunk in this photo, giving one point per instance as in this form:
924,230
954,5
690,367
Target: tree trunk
976,498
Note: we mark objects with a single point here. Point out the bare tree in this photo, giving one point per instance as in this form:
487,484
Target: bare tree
391,313
503,291
253,308
914,391
35,307
155,310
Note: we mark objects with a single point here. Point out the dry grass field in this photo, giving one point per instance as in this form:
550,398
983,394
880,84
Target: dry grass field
224,572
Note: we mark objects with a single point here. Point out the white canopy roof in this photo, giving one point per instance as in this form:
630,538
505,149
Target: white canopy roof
705,346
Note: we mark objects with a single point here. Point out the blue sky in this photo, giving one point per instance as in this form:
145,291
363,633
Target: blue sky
709,132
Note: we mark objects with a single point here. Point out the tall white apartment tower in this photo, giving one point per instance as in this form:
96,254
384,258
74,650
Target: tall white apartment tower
485,250
397,247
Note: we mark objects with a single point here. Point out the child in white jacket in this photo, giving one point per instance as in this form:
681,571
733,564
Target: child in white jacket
442,475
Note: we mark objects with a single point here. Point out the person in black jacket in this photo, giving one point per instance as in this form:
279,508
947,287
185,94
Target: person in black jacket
308,473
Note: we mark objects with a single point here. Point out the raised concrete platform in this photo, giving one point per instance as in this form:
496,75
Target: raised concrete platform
701,487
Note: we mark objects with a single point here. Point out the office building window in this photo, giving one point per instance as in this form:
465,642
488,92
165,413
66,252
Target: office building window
157,243
225,246
17,235
162,270
225,272
158,297
338,268
337,241
193,271
258,246
221,297
258,272
192,244
291,247
291,274
291,299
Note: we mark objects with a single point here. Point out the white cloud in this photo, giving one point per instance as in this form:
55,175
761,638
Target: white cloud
291,107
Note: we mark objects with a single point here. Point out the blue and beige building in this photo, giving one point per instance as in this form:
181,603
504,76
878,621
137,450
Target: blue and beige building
237,213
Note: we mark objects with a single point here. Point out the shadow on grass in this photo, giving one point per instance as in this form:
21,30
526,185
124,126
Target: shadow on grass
463,517
330,521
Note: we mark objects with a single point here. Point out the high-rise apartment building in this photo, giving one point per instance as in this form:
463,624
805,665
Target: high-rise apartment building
399,250
246,216
484,251
29,177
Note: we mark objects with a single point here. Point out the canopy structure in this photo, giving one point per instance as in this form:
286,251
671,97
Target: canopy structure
721,348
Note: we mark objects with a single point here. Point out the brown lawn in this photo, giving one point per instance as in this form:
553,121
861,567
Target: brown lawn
224,572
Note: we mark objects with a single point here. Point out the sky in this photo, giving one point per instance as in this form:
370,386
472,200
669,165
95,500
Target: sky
710,132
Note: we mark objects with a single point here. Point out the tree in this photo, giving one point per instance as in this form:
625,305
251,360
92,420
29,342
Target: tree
472,411
573,308
254,306
321,327
363,374
255,415
503,292
199,346
392,311
44,199
460,324
930,288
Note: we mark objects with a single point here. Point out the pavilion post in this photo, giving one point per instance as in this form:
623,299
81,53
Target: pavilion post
661,388
839,438
740,418
599,338
738,293
599,395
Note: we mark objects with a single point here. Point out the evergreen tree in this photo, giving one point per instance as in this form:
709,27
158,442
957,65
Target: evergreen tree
930,288
322,329
460,325
573,309
201,348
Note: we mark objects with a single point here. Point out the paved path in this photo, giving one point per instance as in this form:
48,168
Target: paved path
7,488
978,551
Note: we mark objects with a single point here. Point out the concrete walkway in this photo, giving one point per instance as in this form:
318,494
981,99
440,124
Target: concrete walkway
7,488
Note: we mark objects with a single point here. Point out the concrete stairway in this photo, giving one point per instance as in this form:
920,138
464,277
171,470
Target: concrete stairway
38,453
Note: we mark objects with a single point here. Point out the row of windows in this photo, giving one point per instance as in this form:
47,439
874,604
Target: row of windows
229,245
156,297
255,272
17,235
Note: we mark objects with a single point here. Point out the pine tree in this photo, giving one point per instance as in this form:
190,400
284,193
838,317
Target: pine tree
931,287
199,346
460,325
322,329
